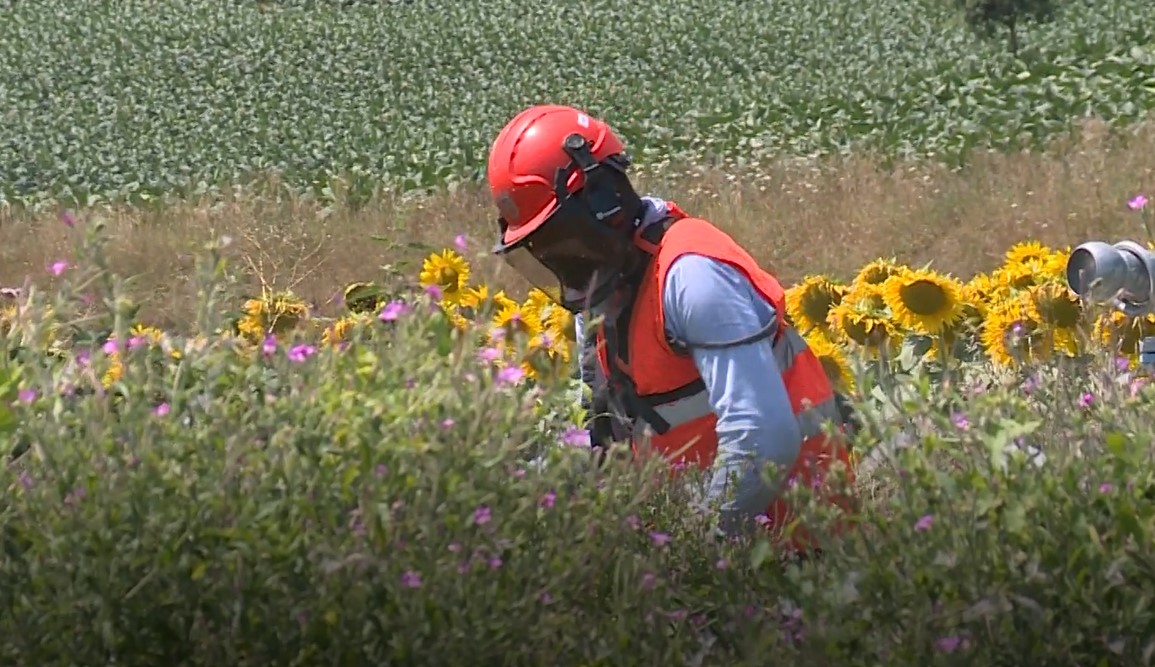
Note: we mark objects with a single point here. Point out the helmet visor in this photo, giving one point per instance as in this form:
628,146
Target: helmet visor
574,259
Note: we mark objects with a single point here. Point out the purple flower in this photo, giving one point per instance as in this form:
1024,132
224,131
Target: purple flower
161,410
950,644
411,579
547,501
58,267
510,375
660,539
27,395
111,346
434,292
576,437
489,354
649,581
482,515
1106,487
1137,203
960,421
1086,399
68,218
460,242
924,523
392,311
270,345
299,353
447,423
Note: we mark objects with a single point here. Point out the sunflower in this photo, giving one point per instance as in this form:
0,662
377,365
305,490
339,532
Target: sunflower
923,301
501,300
341,328
1121,333
1028,253
861,317
537,300
1010,278
833,359
876,272
514,320
363,297
1010,336
981,291
1055,305
809,302
560,324
271,314
449,271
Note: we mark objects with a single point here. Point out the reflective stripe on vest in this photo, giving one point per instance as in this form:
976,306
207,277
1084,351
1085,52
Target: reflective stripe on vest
696,406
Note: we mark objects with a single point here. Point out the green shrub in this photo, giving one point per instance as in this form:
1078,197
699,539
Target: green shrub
380,504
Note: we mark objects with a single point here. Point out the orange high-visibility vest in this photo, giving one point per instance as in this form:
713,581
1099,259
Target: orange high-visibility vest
658,390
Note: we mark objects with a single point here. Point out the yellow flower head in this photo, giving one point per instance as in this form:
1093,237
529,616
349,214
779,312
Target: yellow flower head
513,320
1055,306
1120,333
537,300
923,301
1011,337
834,362
861,317
809,302
273,314
1028,253
876,272
447,270
341,329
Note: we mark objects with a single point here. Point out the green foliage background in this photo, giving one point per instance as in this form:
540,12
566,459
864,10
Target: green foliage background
138,98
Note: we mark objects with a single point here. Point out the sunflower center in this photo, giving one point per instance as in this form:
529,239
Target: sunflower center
1060,312
817,303
447,277
924,297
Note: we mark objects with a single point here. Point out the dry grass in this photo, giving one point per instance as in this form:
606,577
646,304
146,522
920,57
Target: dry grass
797,220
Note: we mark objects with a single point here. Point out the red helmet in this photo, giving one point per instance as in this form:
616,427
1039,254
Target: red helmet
557,178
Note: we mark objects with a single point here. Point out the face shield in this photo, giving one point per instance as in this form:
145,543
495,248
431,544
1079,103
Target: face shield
584,249
578,261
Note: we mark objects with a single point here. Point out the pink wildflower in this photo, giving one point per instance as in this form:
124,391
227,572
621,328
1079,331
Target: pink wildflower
576,437
392,311
924,523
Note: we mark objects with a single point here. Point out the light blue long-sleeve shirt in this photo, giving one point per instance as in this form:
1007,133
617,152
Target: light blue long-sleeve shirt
710,302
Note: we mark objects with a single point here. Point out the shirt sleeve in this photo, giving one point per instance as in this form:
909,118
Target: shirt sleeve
708,301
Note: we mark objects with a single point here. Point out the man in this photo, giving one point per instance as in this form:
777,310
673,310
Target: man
694,356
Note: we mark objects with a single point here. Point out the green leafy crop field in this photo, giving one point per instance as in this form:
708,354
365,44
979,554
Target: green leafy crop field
131,99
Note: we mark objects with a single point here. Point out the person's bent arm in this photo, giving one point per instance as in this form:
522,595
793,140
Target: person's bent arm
711,302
